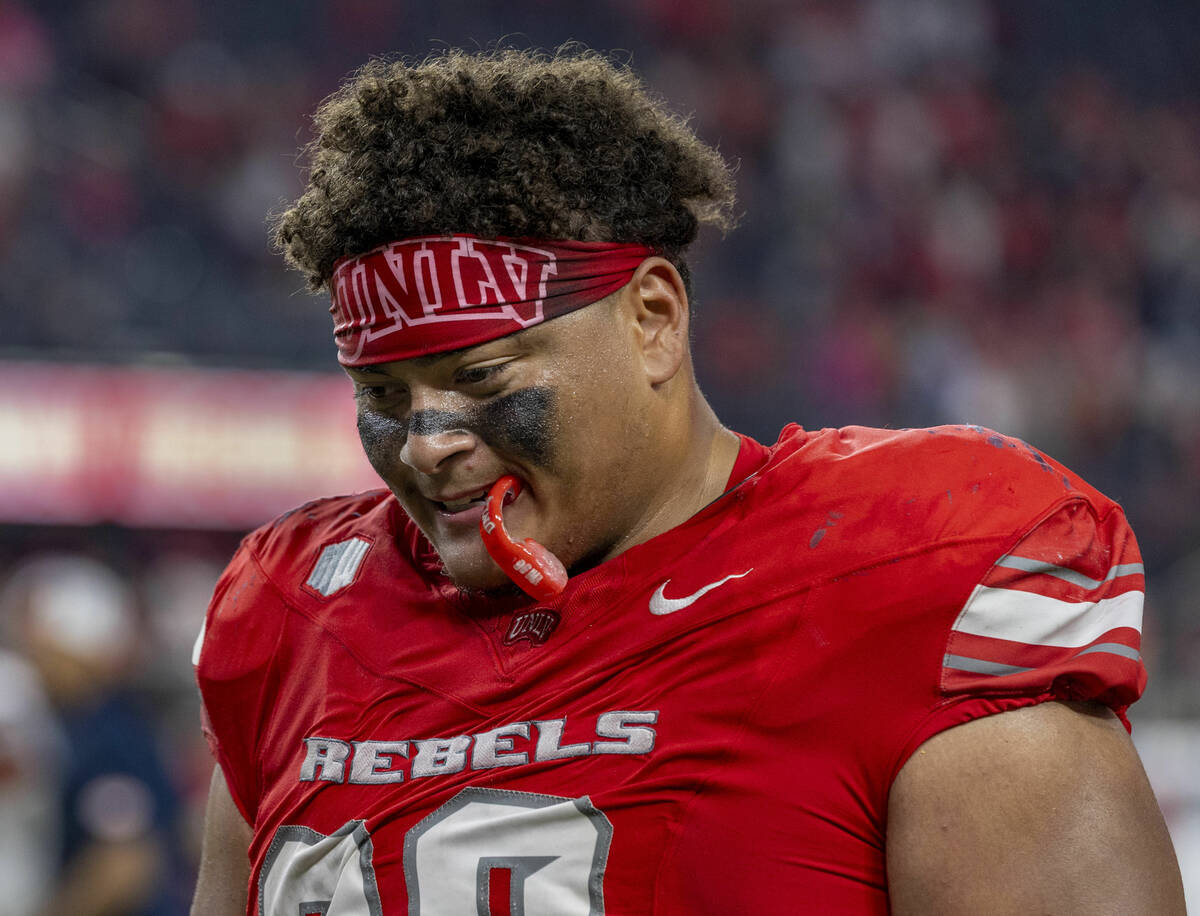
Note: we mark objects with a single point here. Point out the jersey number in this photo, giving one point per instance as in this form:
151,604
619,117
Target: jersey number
486,852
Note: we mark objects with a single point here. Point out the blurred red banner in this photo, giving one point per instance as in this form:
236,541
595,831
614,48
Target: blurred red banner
172,447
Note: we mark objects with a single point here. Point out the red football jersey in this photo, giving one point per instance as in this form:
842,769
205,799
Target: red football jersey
709,723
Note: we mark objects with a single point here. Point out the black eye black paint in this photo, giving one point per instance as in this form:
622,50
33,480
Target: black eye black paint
518,424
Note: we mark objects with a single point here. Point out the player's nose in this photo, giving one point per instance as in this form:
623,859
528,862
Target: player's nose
435,434
427,453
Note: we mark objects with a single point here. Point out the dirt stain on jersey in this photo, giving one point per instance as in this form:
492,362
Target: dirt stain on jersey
819,534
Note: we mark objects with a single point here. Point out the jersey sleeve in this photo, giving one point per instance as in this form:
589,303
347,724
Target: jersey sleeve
1058,617
233,660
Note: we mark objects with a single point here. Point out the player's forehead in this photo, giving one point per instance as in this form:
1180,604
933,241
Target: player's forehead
520,343
576,339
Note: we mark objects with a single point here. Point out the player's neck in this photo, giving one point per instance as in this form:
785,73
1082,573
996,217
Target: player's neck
691,477
712,456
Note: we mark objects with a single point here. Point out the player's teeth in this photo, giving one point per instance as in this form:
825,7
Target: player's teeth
459,504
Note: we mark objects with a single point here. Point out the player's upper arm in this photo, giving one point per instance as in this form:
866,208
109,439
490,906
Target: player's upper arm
1044,809
233,660
221,887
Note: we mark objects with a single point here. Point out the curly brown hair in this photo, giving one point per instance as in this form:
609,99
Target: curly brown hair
500,143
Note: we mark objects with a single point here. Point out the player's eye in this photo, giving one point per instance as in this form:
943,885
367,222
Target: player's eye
376,394
478,375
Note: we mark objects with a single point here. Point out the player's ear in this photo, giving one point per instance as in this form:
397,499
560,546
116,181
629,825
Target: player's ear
660,310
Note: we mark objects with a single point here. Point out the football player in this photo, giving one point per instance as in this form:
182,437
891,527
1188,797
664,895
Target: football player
589,651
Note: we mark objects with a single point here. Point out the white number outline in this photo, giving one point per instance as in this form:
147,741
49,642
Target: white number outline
477,794
306,836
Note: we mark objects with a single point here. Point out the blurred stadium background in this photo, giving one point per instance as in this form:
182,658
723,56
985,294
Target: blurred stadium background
955,211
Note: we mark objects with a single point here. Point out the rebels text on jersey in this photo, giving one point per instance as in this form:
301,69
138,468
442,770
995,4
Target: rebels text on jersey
708,723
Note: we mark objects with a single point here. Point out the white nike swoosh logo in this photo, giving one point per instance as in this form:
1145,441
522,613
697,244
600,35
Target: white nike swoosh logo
660,604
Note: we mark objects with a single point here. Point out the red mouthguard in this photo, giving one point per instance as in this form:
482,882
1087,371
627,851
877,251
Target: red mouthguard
538,572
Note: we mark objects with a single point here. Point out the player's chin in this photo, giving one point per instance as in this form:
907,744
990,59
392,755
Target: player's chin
472,570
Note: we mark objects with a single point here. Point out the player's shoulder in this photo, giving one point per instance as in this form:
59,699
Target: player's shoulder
865,496
295,557
961,470
368,515
1021,579
943,454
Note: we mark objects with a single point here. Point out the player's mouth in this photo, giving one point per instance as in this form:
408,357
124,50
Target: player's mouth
454,508
464,507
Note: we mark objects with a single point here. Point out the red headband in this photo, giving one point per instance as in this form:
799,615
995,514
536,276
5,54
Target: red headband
428,295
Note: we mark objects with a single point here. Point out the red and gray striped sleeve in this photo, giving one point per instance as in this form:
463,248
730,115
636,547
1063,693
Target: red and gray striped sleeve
1058,617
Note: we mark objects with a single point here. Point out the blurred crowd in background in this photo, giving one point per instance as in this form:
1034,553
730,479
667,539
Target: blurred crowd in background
954,211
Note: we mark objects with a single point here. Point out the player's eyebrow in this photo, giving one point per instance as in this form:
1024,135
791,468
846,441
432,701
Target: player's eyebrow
522,341
421,361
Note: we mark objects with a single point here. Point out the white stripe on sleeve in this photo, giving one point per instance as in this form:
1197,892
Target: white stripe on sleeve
1005,613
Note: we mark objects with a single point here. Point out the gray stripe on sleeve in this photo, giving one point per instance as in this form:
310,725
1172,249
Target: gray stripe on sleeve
1069,575
981,666
1113,648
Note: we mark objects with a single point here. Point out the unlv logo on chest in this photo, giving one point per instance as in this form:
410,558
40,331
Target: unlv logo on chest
533,626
